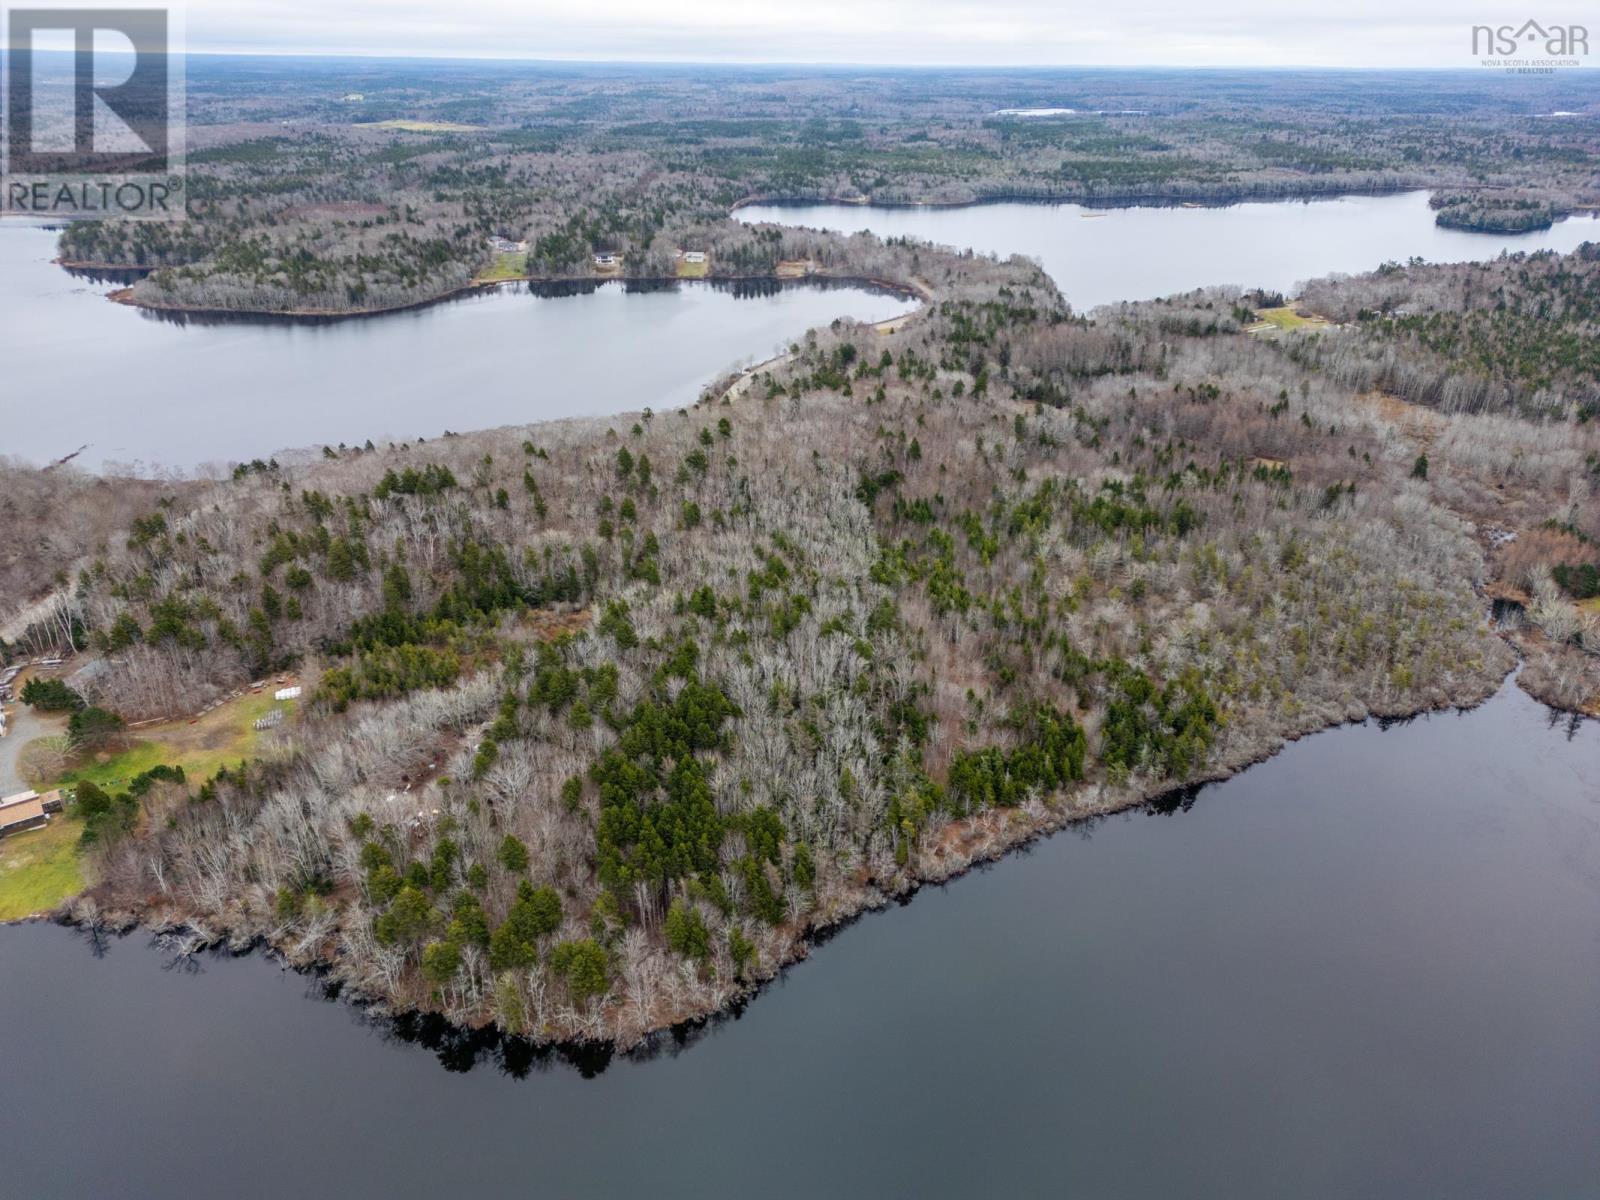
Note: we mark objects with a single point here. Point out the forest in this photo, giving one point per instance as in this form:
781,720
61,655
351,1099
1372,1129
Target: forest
327,189
608,717
604,720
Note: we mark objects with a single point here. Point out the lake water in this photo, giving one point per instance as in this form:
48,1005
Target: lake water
1367,968
1102,255
78,369
134,389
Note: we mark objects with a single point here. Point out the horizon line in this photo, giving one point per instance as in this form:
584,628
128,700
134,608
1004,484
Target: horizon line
822,64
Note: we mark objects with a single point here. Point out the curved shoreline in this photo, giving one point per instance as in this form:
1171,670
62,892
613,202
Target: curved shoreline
1197,199
1132,199
984,838
977,841
312,316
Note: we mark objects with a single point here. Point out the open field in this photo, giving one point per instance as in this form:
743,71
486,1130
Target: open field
39,869
221,738
510,265
420,126
1286,318
697,270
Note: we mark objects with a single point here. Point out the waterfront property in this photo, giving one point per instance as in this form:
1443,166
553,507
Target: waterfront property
693,264
1206,953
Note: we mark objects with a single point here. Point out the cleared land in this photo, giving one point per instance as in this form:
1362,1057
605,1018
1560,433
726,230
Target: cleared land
1287,318
224,737
513,264
420,126
39,869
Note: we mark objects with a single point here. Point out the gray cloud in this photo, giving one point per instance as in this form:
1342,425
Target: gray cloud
1421,33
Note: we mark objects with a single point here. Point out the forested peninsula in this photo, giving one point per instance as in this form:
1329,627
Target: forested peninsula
606,718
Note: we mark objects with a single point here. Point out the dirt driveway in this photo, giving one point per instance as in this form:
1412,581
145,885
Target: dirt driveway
22,725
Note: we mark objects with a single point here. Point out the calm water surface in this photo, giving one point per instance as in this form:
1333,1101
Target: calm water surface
1100,255
1367,968
76,369
79,371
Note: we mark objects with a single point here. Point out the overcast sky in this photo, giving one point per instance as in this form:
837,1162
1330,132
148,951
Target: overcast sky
1343,33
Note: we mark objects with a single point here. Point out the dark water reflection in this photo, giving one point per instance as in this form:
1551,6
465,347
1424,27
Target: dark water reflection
1367,968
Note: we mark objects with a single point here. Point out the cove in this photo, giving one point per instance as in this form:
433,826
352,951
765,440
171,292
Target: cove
146,390
1103,255
1367,967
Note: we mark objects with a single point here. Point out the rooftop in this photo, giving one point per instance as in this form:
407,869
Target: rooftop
24,808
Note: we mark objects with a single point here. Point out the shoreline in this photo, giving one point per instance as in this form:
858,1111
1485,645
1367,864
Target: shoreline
951,849
312,316
977,841
1132,199
1116,200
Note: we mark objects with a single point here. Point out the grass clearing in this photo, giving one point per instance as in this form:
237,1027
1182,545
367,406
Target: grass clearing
511,265
1287,318
223,737
689,270
419,126
39,869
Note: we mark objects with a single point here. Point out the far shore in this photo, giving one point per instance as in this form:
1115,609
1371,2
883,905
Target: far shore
1132,199
1227,199
125,295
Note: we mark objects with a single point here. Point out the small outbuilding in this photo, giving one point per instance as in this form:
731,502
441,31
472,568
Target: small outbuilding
23,811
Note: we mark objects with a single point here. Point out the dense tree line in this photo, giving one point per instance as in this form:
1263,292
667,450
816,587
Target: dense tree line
393,200
604,715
